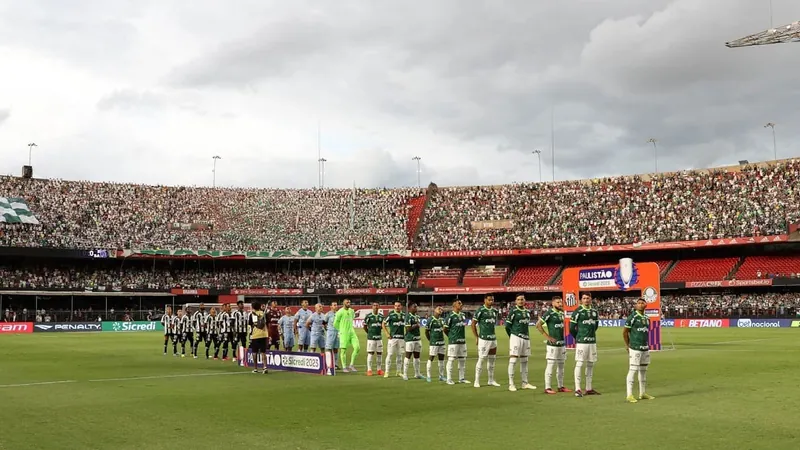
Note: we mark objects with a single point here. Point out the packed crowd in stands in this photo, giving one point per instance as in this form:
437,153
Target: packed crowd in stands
50,277
668,207
76,214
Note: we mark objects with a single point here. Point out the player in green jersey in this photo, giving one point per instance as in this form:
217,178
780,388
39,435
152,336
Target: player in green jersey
395,326
343,322
518,325
373,326
637,340
434,332
457,343
583,326
483,328
413,342
556,355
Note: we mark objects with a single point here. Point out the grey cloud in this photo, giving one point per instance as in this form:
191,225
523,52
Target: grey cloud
4,115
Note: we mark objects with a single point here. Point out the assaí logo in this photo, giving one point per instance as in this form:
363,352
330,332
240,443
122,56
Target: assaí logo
748,323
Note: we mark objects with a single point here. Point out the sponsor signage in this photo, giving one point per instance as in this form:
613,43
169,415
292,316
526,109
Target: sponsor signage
606,248
668,323
761,323
795,324
132,326
494,289
597,278
16,327
611,322
67,327
492,225
276,292
311,363
371,291
702,323
728,283
178,291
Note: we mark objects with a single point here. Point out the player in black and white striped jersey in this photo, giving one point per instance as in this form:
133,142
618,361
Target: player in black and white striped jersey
239,320
199,327
212,331
223,331
183,329
169,331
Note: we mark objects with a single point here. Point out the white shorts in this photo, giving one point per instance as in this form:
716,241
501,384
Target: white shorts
586,353
413,347
435,350
519,347
375,346
485,346
639,357
457,350
395,346
556,353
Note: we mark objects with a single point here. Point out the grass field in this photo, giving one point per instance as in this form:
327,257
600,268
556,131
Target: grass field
721,389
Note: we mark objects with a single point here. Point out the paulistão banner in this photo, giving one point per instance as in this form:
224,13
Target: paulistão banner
312,363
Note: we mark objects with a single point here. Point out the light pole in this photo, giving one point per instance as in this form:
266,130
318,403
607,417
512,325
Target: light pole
322,162
774,142
655,150
538,154
419,170
214,171
30,151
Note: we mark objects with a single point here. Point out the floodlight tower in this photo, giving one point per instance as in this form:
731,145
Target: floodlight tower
779,35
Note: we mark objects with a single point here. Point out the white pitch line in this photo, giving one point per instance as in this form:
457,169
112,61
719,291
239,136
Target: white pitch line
161,377
740,341
42,383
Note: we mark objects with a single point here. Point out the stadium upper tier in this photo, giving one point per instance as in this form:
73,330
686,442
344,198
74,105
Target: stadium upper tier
731,202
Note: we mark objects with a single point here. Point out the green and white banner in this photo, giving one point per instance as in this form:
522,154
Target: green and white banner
133,326
293,254
15,210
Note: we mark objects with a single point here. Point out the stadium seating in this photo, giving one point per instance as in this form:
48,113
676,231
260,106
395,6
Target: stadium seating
701,269
485,276
755,267
439,277
533,275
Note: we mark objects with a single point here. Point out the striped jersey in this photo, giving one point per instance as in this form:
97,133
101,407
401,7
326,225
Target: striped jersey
166,321
199,321
239,321
183,324
212,324
224,322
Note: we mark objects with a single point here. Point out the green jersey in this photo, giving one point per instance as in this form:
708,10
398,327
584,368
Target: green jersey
518,322
583,325
343,320
639,326
553,319
411,334
455,328
373,323
396,324
436,329
487,321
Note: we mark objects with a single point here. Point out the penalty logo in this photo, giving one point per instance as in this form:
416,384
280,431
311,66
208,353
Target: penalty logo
570,299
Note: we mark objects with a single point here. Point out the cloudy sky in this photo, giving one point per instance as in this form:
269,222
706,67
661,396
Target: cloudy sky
149,90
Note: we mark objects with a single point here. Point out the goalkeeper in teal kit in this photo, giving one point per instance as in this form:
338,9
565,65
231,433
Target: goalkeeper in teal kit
343,322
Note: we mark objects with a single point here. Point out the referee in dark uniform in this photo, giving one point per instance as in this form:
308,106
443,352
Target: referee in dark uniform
258,339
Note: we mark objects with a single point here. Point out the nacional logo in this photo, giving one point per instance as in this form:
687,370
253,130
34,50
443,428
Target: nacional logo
748,323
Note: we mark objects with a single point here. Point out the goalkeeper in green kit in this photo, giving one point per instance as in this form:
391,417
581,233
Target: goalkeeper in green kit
343,322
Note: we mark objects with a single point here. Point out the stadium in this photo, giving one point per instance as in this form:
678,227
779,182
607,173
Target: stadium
640,309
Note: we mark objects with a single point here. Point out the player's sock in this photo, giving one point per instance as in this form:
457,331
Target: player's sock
512,362
428,368
560,373
399,361
450,368
417,372
380,360
490,367
405,367
523,368
369,361
629,381
353,356
642,381
578,375
589,375
388,361
165,346
548,374
343,357
462,369
478,368
174,348
441,368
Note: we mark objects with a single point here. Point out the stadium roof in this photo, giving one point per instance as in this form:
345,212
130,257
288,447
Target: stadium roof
780,35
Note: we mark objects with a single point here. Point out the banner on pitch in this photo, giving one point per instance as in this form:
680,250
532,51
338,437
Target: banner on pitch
69,327
137,326
311,363
761,323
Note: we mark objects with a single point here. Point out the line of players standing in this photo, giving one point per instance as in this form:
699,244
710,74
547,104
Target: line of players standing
224,330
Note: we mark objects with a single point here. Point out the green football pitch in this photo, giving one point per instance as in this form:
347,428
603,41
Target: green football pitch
720,389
